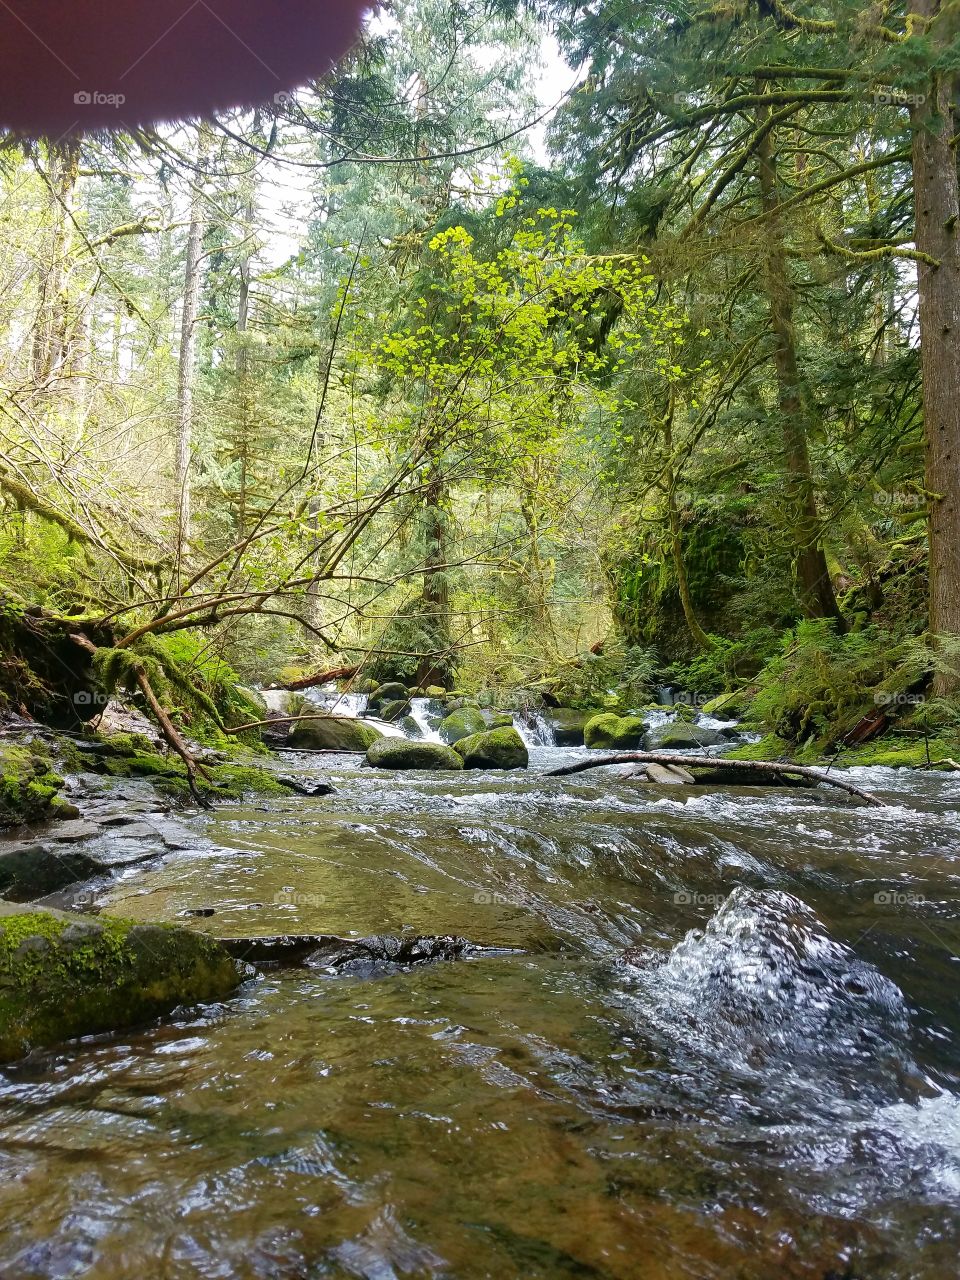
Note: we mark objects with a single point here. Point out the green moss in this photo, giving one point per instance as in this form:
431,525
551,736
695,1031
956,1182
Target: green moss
496,749
400,753
462,724
612,731
28,786
60,978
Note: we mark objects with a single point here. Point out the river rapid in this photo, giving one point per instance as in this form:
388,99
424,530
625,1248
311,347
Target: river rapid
704,1033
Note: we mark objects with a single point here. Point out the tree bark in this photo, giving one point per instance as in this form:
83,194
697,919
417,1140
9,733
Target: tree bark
937,214
817,599
188,355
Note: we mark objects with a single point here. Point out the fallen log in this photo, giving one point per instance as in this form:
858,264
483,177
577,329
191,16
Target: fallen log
321,677
685,761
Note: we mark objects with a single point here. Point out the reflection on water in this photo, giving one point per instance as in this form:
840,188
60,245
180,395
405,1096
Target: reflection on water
728,1047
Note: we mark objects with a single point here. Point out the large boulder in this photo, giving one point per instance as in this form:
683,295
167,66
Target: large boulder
461,724
61,978
495,749
392,691
334,733
568,724
685,737
393,711
401,753
29,871
612,732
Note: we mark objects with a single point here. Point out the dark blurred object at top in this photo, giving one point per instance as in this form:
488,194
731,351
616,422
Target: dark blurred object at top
71,66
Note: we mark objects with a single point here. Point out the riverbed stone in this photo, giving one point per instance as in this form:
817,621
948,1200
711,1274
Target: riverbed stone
496,749
392,691
609,731
334,733
568,724
61,978
462,724
33,870
685,737
401,753
393,711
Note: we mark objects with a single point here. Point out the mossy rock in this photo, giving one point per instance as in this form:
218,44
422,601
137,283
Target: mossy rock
29,789
392,691
411,727
434,691
728,706
366,687
684,737
499,720
63,978
568,724
462,724
400,753
495,749
393,711
334,733
609,731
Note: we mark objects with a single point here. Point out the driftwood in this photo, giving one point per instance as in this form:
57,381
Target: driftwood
686,761
321,677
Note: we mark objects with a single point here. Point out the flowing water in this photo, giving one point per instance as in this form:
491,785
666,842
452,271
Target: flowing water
716,1035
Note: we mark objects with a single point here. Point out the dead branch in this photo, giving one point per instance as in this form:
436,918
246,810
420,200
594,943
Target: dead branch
713,762
322,677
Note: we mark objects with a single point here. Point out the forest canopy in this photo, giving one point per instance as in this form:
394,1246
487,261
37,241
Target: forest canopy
416,375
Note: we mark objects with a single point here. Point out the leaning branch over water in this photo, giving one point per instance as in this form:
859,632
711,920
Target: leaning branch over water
712,762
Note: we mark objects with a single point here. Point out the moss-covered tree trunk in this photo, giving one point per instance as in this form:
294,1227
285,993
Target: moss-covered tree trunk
817,599
937,227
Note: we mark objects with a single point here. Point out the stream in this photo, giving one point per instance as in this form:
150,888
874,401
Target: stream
705,1033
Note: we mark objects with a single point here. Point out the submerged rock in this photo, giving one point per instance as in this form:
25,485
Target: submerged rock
495,749
610,731
359,957
334,733
461,724
401,753
63,978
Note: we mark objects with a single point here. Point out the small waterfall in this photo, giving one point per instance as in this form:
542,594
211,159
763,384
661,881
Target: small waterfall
419,711
534,728
348,705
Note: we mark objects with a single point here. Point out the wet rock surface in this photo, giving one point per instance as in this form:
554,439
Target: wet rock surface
61,978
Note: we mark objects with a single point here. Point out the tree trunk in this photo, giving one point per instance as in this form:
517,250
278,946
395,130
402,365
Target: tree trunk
51,328
813,577
435,602
937,212
188,354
